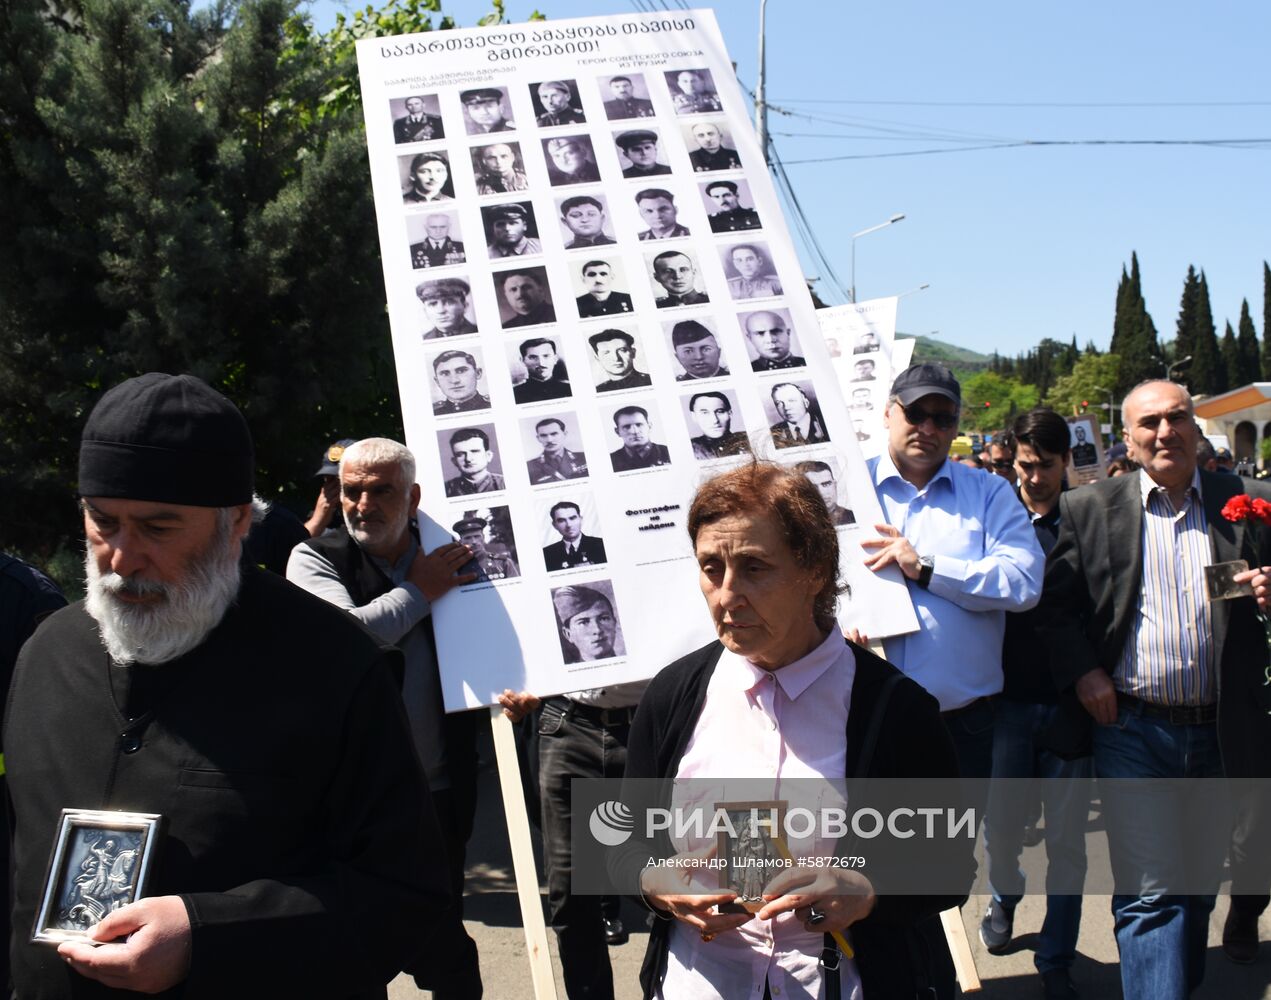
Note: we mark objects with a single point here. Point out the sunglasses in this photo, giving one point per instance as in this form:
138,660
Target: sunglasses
918,416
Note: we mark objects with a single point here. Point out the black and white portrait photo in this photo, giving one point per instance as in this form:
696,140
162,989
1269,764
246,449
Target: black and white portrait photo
729,205
435,240
499,168
571,532
640,153
749,269
1084,451
715,424
771,344
525,298
470,460
676,279
601,287
555,443
416,118
458,381
633,425
570,160
555,103
625,96
486,109
487,531
824,476
692,91
425,178
795,419
584,221
447,306
695,348
865,343
537,370
511,230
862,399
710,146
659,214
615,360
865,370
587,619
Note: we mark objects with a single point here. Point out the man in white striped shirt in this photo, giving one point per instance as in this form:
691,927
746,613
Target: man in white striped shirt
1168,676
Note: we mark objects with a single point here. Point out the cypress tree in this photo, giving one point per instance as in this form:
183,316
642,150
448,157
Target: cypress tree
1266,321
1231,358
1134,334
1247,343
1207,373
1183,344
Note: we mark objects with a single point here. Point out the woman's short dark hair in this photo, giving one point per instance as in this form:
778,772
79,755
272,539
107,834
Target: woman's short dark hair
801,514
1043,430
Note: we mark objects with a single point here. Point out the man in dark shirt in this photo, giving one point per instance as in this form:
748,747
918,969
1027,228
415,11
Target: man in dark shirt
657,208
600,299
713,413
677,274
624,103
557,463
711,153
732,217
557,100
697,351
471,454
571,161
485,111
545,373
638,451
417,125
584,217
438,249
821,475
527,296
574,548
457,374
445,304
615,352
769,335
641,149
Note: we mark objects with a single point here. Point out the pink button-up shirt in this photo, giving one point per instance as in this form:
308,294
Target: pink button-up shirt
760,727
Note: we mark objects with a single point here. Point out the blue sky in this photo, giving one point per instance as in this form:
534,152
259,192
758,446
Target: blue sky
1016,243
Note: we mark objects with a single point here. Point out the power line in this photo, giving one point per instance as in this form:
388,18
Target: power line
1214,143
1035,104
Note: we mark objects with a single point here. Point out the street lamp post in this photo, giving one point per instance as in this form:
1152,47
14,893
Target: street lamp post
865,232
1180,364
1112,422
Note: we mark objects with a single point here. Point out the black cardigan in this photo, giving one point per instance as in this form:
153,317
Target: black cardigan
900,946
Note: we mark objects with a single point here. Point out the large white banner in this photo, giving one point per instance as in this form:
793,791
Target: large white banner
860,337
595,305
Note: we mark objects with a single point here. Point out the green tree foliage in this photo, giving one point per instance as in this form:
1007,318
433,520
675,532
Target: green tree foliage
1207,374
186,191
1266,321
1091,379
1184,338
1133,332
1231,358
1006,395
1247,346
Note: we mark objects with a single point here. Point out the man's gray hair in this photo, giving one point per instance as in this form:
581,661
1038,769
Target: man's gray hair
1187,396
381,451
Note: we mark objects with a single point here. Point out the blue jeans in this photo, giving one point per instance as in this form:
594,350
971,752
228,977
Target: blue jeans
971,729
571,746
1161,935
1066,803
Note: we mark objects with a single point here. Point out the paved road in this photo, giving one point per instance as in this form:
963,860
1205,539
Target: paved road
493,919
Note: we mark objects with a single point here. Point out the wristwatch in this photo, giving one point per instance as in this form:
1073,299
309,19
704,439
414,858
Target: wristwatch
926,566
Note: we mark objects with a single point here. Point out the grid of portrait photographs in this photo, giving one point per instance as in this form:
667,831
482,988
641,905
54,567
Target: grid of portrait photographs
597,259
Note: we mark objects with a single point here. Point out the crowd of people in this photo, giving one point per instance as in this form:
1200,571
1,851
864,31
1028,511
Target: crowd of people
294,738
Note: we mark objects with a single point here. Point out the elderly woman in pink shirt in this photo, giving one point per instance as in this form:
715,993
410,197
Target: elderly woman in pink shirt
782,696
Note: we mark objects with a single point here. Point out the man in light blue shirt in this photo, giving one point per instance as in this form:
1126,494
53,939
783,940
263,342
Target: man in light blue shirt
967,550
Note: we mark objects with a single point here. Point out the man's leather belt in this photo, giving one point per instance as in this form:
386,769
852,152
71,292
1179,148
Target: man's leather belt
608,718
953,713
1176,715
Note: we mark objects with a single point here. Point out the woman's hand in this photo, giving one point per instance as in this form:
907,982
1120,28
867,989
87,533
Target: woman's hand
662,887
840,895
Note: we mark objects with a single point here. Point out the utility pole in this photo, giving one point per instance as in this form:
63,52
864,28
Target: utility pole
761,105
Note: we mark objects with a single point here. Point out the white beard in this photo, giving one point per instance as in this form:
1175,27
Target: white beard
375,537
187,613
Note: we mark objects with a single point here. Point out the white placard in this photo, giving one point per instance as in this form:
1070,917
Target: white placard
860,337
527,139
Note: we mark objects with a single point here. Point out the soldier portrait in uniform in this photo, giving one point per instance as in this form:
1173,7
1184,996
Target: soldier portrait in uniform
822,476
525,298
715,425
676,280
863,370
570,160
861,400
770,341
425,178
447,304
556,103
861,428
692,91
866,343
626,97
596,281
510,230
499,168
458,382
538,371
434,240
560,455
749,270
488,533
795,419
638,154
587,618
613,361
727,204
485,110
657,210
416,119
634,428
1084,453
584,221
470,460
569,545
696,350
710,147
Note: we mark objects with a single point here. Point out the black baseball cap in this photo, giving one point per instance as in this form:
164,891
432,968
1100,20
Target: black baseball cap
926,379
332,455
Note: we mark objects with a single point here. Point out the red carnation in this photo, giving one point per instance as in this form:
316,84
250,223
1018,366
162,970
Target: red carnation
1238,508
1262,510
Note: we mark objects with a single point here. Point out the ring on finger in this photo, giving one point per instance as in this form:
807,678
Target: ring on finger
707,936
815,916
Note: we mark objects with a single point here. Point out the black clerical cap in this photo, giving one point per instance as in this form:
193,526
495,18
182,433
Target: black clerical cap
170,439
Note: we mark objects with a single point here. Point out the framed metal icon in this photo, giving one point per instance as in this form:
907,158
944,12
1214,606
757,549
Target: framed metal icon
749,851
101,861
